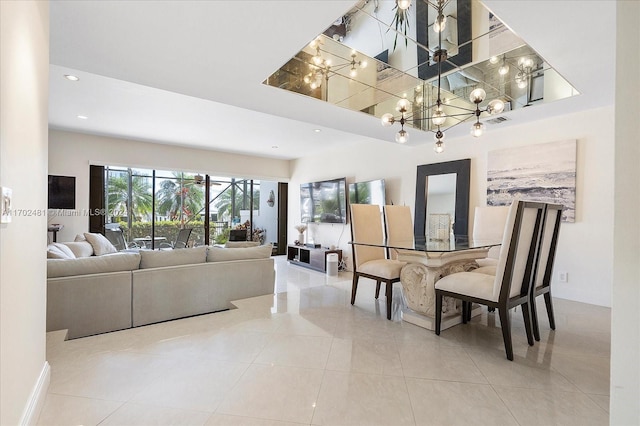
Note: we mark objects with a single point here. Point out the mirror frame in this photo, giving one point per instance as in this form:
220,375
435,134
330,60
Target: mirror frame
462,169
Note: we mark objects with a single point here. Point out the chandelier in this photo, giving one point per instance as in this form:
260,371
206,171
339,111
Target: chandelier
322,68
436,113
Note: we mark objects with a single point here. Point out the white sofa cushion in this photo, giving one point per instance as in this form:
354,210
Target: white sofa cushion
59,251
161,258
217,254
100,244
80,248
92,265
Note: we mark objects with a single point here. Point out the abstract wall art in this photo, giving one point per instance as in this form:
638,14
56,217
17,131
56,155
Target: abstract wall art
544,172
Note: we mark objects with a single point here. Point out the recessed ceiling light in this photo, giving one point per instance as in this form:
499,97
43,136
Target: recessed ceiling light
71,77
317,130
82,117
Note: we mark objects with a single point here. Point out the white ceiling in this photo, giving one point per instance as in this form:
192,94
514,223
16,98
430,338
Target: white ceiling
190,72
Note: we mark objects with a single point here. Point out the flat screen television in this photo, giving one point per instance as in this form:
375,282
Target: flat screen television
62,192
324,201
370,192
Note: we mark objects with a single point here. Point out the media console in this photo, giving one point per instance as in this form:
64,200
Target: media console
312,258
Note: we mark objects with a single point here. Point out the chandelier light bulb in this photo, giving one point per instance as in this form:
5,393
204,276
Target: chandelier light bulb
317,60
387,119
363,64
403,105
313,85
522,84
440,23
403,4
525,62
306,79
419,99
493,60
439,148
504,69
402,136
477,129
496,106
438,118
477,95
353,72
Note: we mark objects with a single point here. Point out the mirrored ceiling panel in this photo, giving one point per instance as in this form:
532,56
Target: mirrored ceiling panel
383,51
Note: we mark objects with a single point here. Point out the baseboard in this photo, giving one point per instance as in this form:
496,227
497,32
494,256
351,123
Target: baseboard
37,397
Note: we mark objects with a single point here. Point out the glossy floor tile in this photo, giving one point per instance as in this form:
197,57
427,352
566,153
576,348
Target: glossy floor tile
307,356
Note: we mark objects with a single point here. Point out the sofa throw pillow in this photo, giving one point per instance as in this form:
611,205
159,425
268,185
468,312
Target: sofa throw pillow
80,248
217,254
59,251
79,237
160,258
240,244
100,244
66,250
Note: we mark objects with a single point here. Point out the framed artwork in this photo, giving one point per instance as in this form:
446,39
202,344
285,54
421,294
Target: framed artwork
6,205
544,172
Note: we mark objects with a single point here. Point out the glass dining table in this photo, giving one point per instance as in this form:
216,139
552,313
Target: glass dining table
428,260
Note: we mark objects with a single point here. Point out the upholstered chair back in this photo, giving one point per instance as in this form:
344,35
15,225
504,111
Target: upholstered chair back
399,227
553,216
366,227
517,252
489,225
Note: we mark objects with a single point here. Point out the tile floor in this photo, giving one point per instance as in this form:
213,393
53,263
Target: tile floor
306,356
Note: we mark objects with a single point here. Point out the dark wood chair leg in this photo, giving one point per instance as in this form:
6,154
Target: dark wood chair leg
491,309
354,287
438,311
469,308
377,289
389,294
549,303
526,315
534,318
506,331
465,305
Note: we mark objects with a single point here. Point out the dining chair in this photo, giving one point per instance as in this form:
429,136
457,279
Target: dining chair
488,226
399,228
544,268
371,261
511,286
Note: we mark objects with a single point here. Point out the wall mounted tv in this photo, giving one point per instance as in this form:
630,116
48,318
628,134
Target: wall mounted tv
62,192
324,201
370,192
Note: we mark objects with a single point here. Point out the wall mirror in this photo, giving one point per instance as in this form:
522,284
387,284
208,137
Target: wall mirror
442,197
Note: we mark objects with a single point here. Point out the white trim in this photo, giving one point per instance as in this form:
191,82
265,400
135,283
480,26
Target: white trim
37,397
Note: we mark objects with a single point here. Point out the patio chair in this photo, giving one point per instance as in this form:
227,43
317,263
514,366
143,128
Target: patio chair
116,237
181,240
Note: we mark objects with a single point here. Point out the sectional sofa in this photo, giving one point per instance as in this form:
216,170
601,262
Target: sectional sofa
93,294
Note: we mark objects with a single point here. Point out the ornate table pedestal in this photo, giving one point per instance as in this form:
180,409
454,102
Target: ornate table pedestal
418,280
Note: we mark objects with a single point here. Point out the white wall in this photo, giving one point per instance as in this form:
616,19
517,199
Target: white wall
70,154
625,318
24,90
268,219
585,247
